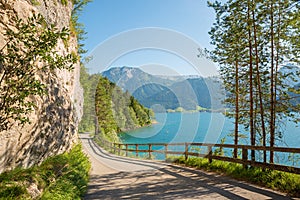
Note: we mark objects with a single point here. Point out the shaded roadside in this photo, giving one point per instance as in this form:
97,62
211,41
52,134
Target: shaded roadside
115,177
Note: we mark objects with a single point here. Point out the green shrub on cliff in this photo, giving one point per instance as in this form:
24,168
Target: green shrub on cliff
29,53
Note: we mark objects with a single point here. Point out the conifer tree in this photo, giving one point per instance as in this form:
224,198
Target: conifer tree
253,39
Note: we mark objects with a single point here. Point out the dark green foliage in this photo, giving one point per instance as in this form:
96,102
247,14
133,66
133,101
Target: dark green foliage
61,177
89,84
64,2
283,181
118,111
29,52
103,107
70,171
76,27
252,40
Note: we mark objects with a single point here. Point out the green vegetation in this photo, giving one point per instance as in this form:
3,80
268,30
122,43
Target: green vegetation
30,51
89,84
64,2
285,182
76,27
118,111
29,54
252,40
35,2
60,177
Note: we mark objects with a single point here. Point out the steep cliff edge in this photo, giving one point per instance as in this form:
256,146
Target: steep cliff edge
54,122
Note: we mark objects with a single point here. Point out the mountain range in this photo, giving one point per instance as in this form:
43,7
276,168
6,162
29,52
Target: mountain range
170,92
186,92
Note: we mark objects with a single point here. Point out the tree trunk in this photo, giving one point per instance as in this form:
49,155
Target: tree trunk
236,128
259,87
252,131
272,92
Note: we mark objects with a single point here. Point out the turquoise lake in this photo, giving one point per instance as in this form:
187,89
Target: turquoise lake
200,127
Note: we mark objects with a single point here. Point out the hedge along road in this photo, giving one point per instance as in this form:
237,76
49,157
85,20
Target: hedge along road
115,177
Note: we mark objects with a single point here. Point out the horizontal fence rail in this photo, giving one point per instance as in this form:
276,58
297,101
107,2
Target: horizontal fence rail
204,150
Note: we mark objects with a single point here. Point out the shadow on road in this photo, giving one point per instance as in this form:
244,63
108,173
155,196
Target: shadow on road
169,182
100,152
153,185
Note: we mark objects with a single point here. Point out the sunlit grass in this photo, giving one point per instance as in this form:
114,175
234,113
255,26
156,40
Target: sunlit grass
277,180
61,177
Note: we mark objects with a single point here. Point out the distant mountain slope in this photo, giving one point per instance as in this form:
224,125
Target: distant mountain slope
293,73
131,78
187,92
152,94
292,80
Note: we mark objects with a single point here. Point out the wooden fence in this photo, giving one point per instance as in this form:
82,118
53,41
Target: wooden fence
204,150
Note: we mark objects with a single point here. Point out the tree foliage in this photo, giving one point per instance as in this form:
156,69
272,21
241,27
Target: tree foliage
252,40
77,27
118,111
30,51
89,84
87,81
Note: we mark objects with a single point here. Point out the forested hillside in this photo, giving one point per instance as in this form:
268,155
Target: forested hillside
118,111
89,84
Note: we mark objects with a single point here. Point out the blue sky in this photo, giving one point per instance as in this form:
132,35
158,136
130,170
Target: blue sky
181,21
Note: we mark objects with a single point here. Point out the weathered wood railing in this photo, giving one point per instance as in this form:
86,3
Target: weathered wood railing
189,150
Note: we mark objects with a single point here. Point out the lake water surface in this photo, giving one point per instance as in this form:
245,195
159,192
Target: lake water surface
200,127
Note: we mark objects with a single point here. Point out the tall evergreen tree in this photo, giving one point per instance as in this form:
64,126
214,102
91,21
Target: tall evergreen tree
118,111
229,38
253,39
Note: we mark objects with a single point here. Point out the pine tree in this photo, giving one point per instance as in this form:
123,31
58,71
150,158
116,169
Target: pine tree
229,38
118,111
253,39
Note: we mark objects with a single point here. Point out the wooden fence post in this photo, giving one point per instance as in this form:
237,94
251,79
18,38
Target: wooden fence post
150,148
246,161
209,149
136,150
186,150
166,151
245,156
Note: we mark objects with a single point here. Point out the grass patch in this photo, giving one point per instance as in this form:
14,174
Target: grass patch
60,177
35,2
64,2
282,181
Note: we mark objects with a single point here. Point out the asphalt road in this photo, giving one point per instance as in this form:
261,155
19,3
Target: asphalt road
114,177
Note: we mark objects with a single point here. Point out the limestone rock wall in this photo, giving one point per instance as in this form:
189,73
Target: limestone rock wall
53,127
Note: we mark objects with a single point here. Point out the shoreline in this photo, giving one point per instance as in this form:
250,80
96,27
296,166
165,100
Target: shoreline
148,125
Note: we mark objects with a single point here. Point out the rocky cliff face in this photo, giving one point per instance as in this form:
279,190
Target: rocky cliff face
53,127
